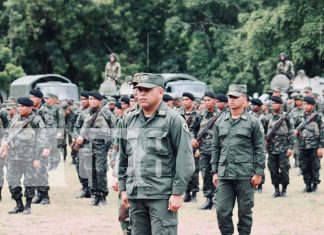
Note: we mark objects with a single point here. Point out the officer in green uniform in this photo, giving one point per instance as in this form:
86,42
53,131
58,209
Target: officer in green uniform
24,152
155,161
237,162
311,143
279,147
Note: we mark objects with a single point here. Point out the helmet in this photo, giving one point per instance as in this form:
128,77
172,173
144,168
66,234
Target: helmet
113,55
285,56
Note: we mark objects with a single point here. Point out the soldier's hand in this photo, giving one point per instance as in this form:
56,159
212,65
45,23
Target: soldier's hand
124,199
36,164
79,140
115,184
197,153
320,152
289,152
194,143
295,132
256,180
46,152
175,202
215,180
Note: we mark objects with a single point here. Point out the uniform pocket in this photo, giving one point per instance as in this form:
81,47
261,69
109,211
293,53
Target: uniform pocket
132,142
157,142
169,224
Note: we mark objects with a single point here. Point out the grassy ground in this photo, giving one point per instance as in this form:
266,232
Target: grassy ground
298,213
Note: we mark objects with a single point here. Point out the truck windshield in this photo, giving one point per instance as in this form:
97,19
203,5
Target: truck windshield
198,90
63,92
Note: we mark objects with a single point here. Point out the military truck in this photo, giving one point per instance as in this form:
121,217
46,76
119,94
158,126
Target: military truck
47,83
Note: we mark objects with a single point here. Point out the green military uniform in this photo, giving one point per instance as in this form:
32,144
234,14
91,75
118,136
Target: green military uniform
113,70
237,155
310,138
4,122
155,162
93,154
278,162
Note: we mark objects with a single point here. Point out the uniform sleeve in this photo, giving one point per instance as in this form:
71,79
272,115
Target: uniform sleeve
60,120
259,150
184,168
321,126
194,127
216,149
77,126
292,137
41,139
122,162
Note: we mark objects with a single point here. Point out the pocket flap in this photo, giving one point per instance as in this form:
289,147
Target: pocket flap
157,134
169,222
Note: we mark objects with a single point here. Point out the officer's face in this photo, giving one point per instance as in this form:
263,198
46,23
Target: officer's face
148,98
186,102
35,100
84,102
24,110
276,106
93,102
209,102
237,102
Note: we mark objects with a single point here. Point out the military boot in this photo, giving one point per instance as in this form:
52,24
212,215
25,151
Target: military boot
95,200
208,204
314,188
0,194
308,188
19,207
194,197
38,197
84,193
27,209
277,192
45,198
102,200
284,191
187,197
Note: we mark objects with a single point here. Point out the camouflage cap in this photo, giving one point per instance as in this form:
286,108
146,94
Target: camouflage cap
150,80
236,90
64,105
297,96
50,95
308,89
135,79
10,105
277,89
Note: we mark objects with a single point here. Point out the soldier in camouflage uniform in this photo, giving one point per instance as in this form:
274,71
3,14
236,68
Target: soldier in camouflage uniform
193,121
68,118
279,147
205,150
285,66
155,161
113,68
95,146
24,153
297,113
311,143
4,122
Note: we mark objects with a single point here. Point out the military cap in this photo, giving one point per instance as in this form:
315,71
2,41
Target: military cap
150,80
125,99
189,95
236,90
309,100
276,99
118,105
277,89
297,96
135,79
10,105
257,102
222,98
111,100
50,95
210,94
85,94
37,93
95,94
25,101
308,89
64,105
167,97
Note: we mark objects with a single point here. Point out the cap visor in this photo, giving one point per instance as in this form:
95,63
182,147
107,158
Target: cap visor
234,93
146,85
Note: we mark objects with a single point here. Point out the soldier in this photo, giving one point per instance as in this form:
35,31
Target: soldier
113,68
204,148
297,113
310,142
125,102
193,121
95,144
237,162
222,102
68,118
155,161
279,147
27,147
285,66
168,100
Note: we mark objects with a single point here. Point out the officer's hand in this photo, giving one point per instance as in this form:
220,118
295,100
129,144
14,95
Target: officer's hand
175,202
36,164
289,152
79,140
320,152
194,143
46,152
215,180
124,199
256,180
197,153
115,184
295,132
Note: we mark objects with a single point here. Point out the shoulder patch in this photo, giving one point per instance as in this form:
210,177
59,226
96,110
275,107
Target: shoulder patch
185,127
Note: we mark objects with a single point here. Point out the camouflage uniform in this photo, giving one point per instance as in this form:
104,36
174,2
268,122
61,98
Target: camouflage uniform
278,162
113,70
93,153
310,139
296,114
286,68
4,122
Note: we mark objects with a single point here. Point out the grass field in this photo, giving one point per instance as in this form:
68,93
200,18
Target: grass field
299,213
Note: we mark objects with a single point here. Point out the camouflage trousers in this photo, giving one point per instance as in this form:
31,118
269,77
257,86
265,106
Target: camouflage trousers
41,176
95,166
278,165
205,167
2,165
310,166
79,166
193,184
296,154
16,170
